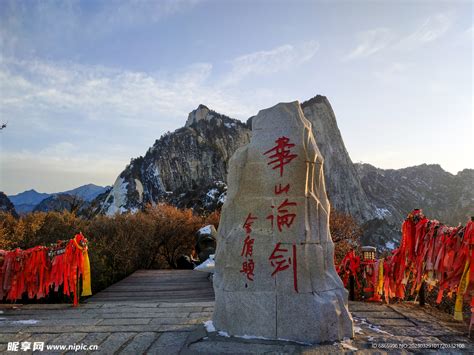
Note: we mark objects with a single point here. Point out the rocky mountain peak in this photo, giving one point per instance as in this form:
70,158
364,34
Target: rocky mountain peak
189,167
189,162
342,181
184,167
318,99
199,114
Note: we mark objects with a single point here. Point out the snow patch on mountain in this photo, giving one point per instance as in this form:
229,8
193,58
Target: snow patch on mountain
381,213
212,193
139,187
117,198
222,198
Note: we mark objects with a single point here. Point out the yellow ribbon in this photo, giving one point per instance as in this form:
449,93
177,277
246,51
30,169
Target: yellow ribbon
86,275
380,280
460,293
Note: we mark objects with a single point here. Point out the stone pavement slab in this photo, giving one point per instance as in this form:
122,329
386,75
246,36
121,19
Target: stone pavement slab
177,327
131,327
379,329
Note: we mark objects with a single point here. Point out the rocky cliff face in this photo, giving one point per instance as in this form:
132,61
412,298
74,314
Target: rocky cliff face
443,196
342,181
6,205
182,167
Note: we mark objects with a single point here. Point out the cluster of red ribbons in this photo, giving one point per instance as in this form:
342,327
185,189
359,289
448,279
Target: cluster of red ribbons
349,266
364,272
36,271
429,252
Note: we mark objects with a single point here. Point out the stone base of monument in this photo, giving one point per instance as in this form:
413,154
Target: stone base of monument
322,317
202,341
379,329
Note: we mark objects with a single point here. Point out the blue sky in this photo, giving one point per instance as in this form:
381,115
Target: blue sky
87,85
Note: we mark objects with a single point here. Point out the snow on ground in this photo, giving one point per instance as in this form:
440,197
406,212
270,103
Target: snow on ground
26,321
358,330
4,321
207,266
390,245
211,329
209,326
363,321
205,230
347,344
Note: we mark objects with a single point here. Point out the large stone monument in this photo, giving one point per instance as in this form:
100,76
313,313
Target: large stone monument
275,274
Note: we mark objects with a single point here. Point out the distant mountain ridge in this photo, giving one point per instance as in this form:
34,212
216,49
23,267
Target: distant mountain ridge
27,201
442,195
188,168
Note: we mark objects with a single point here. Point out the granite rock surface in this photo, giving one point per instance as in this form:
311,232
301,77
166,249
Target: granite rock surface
275,274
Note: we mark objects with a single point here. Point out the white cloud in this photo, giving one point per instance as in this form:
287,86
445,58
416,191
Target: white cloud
270,61
97,93
73,114
433,28
376,40
371,42
33,25
43,92
138,11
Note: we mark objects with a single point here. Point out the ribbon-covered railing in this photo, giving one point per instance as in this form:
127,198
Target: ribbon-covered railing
39,270
429,252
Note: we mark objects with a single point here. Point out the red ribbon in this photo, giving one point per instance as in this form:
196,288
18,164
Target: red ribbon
34,273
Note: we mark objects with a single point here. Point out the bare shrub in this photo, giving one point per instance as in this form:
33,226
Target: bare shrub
345,233
118,245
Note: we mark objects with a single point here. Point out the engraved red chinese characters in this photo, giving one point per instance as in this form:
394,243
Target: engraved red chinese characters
248,269
281,261
248,266
247,250
279,189
248,223
284,217
281,154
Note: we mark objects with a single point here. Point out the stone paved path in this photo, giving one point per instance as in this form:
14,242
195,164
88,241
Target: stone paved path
135,327
159,286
